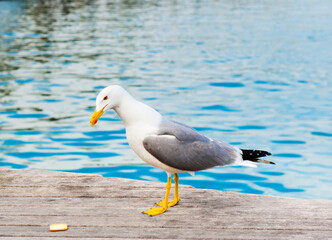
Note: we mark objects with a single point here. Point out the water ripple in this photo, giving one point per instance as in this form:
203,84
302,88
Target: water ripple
323,134
251,127
278,187
26,155
227,84
27,115
288,141
220,108
287,155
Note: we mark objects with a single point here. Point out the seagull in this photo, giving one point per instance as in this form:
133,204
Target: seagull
169,145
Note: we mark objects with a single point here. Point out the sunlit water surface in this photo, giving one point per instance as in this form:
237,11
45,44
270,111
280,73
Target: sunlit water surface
256,74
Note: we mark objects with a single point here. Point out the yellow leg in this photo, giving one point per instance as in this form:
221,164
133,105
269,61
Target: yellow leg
176,195
156,211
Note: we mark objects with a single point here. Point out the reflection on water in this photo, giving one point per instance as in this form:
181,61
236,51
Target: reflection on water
255,74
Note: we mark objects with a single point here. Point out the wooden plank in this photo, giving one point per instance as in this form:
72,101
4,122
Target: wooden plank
95,207
186,223
162,233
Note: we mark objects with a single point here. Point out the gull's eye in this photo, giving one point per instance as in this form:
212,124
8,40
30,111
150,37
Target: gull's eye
105,98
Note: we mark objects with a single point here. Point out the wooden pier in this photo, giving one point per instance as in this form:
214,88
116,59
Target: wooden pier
95,207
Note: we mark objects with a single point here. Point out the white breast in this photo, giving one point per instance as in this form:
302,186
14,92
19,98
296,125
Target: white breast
135,138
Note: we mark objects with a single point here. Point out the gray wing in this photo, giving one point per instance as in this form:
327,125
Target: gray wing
183,148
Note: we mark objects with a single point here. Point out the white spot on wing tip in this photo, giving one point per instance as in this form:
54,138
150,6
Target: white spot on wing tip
248,164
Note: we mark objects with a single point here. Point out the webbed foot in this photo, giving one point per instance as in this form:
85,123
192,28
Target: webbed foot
169,203
155,211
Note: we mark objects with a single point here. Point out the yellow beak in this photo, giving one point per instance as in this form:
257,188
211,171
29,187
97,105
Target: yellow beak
95,116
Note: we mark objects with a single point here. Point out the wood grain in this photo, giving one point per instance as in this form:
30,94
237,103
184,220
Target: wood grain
95,207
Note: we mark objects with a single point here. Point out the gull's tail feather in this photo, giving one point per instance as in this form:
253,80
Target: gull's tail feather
254,155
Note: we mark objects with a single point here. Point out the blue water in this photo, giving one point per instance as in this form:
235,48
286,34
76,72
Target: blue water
256,74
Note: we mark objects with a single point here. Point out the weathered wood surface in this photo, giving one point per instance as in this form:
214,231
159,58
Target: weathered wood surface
95,207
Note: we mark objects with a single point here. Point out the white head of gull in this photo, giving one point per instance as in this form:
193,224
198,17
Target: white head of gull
169,145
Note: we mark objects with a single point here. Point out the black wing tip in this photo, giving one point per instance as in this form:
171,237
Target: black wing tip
262,152
255,155
251,152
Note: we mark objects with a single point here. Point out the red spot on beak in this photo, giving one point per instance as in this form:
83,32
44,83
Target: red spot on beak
96,121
